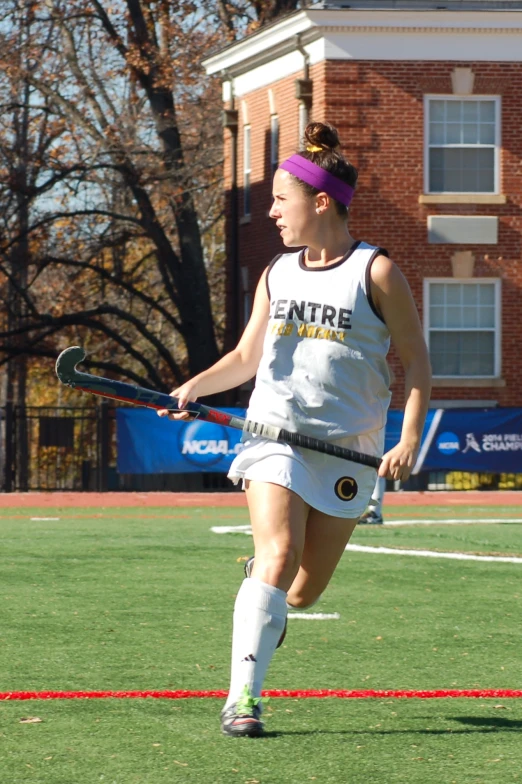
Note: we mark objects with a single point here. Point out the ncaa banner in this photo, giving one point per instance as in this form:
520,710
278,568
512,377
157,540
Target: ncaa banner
149,444
453,439
474,440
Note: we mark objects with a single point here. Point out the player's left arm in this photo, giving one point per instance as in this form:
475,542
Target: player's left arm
393,299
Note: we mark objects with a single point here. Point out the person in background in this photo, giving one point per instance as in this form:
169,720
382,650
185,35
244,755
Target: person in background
373,512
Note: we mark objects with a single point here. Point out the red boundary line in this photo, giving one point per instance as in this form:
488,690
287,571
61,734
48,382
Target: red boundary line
306,693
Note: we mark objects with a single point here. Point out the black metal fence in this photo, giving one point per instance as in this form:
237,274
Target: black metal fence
74,448
57,447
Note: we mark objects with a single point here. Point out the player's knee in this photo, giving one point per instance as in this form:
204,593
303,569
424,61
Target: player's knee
281,564
302,600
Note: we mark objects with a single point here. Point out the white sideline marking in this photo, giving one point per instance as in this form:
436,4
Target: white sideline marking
314,616
359,548
45,519
456,520
246,529
232,529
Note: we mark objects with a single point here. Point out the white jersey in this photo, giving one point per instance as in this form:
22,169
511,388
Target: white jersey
323,371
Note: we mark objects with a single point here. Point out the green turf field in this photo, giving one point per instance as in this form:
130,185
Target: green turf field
141,599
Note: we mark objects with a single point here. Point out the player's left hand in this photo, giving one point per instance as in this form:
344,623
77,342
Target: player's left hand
398,462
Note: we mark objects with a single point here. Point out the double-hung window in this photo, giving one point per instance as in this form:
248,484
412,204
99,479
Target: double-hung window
247,170
462,327
462,144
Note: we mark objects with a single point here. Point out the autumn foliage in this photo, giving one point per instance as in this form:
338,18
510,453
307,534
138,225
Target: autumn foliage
110,185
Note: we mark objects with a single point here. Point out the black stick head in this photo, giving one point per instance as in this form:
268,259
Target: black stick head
66,364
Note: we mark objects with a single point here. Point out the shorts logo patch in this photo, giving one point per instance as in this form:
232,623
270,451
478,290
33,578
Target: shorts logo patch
346,488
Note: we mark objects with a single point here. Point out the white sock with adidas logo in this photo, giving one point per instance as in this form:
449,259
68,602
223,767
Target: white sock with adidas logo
259,619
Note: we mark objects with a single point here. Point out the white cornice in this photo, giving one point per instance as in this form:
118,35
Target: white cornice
418,29
278,38
424,44
372,35
274,69
425,19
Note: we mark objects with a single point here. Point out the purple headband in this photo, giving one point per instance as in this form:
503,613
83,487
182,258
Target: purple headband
319,178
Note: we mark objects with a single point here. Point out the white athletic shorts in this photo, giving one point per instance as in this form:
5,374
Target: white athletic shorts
332,485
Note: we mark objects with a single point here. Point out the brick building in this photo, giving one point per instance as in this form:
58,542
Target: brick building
427,98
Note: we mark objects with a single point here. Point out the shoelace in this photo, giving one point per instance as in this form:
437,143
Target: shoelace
247,702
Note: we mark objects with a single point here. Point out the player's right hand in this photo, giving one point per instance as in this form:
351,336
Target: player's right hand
186,393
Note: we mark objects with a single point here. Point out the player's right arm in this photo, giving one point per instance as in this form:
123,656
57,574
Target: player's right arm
236,367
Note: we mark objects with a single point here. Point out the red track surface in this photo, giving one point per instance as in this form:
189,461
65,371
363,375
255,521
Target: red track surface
97,500
306,693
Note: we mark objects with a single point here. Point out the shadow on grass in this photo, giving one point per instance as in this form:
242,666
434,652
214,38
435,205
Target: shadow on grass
478,726
496,724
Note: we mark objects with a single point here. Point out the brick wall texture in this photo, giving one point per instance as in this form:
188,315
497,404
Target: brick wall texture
378,109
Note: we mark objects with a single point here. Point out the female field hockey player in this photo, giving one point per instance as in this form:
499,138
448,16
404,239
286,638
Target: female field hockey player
317,342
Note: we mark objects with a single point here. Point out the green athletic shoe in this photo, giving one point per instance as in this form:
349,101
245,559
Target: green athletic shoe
243,719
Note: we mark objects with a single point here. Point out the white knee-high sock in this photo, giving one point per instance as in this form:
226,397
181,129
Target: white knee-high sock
259,619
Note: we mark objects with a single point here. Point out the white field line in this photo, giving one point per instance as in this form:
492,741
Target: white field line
232,529
45,519
314,616
447,520
358,548
246,529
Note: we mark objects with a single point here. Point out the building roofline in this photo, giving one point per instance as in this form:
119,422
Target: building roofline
420,5
247,48
308,24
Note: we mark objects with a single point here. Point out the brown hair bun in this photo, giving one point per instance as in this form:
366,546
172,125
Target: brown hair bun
319,134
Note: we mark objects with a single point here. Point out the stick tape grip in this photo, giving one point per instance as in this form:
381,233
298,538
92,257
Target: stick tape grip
267,431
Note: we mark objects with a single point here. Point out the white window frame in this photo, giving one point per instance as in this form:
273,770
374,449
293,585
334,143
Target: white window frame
498,138
274,143
498,320
247,170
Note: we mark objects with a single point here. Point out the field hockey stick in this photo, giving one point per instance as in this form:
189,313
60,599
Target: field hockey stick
129,393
